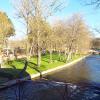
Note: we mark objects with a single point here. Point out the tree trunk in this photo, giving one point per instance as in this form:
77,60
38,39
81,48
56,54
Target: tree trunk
39,58
69,56
65,55
27,31
27,50
6,45
33,53
38,50
31,50
50,56
59,55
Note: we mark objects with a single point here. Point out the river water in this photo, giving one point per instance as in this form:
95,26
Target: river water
87,70
81,82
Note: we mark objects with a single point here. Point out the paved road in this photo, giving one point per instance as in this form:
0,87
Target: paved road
85,71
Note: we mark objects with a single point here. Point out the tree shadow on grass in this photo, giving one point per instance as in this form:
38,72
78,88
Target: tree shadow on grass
46,60
13,73
35,67
54,57
8,74
23,61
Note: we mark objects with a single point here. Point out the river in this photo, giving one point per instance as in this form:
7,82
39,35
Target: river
87,70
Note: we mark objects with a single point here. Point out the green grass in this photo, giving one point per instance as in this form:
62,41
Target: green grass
16,65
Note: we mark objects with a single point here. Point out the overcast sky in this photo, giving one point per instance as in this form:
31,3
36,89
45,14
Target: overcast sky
91,15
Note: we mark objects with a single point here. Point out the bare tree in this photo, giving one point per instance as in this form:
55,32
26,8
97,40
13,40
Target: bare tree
59,30
38,10
96,3
72,34
78,31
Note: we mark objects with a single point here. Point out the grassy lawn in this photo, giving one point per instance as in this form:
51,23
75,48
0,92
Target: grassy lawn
16,65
